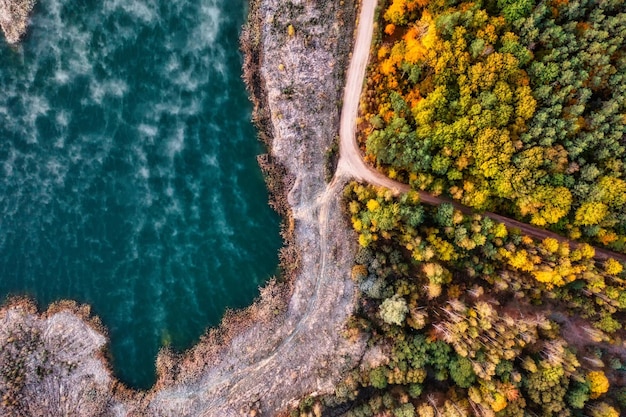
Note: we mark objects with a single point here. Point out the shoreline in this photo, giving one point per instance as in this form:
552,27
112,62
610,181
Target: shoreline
288,343
278,181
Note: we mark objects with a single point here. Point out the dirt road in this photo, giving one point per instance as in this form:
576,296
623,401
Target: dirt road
351,164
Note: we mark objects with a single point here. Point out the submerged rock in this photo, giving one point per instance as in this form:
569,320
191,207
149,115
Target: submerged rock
14,15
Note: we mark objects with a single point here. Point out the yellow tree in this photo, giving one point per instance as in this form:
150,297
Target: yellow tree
591,213
598,383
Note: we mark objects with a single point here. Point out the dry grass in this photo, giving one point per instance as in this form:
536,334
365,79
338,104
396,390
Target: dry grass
51,364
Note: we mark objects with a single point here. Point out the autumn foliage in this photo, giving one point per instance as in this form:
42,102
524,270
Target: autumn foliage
514,106
480,319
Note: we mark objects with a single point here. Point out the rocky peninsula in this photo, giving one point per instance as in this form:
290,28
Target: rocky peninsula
14,16
291,342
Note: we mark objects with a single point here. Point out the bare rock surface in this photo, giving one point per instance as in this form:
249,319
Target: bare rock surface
14,16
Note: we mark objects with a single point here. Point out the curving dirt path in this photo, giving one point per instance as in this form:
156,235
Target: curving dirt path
351,164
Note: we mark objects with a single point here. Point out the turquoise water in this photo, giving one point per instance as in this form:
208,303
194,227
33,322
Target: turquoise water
128,177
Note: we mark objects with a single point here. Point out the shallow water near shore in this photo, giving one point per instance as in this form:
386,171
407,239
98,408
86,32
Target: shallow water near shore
128,177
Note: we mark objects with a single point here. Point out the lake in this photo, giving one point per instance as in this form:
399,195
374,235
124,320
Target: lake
128,174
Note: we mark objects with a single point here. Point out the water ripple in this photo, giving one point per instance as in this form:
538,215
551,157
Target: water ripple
128,172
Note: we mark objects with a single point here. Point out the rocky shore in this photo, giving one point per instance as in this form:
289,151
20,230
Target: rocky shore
291,342
14,16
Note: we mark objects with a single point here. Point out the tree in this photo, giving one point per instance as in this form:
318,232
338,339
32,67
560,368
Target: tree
445,214
378,378
598,383
591,213
513,10
578,395
461,372
405,410
547,387
415,390
439,357
603,410
425,410
393,310
396,12
613,267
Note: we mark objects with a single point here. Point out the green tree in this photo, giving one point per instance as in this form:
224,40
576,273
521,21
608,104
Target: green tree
405,410
445,214
462,372
578,395
378,378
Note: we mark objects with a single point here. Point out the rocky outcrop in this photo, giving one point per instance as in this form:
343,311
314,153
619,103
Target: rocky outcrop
14,16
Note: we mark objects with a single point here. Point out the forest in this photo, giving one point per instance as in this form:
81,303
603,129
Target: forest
516,107
465,317
512,106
